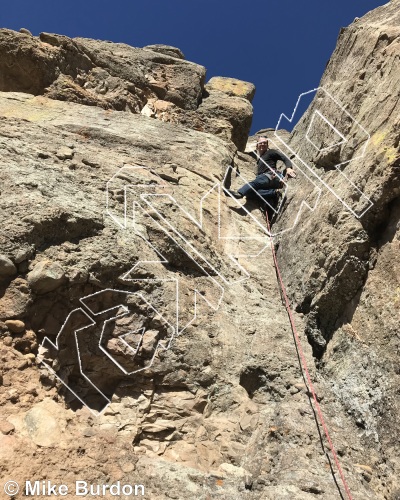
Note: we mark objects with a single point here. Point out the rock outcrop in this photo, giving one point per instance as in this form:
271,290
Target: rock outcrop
128,277
155,81
342,270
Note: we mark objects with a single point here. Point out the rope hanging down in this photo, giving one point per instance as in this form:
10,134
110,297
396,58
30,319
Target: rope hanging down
304,363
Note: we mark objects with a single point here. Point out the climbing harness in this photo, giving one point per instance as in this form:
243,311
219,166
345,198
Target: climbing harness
304,362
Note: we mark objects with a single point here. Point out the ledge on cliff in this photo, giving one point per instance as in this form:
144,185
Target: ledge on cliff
155,81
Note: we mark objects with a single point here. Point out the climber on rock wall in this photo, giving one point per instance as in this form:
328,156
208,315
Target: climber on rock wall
268,179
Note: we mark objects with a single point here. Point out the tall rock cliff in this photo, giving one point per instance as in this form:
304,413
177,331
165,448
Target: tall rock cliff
143,336
341,262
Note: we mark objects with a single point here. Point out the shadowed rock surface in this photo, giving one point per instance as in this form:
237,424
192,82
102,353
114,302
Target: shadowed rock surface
343,271
100,219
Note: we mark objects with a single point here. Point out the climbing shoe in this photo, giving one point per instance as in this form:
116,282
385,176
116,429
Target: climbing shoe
235,194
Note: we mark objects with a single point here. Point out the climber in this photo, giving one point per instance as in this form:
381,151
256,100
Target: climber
268,179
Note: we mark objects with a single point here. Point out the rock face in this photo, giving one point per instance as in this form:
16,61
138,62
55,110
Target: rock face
155,80
232,87
342,270
45,277
7,267
153,297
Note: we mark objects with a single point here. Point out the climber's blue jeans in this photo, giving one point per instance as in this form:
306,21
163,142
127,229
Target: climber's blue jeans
262,184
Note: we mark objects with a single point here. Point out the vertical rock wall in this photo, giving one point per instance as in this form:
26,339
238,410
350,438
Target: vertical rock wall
223,411
342,269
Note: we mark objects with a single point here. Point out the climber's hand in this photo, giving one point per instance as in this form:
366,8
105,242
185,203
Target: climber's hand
291,173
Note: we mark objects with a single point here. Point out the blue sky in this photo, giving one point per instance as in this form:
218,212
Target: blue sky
282,46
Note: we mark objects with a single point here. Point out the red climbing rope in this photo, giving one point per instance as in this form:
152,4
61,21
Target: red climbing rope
304,363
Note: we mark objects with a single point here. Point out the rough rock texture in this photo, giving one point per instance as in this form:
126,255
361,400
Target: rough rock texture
166,49
7,267
155,80
100,219
216,413
232,87
343,271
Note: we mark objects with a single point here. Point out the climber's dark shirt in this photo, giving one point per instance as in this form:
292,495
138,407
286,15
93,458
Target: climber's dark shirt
271,157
